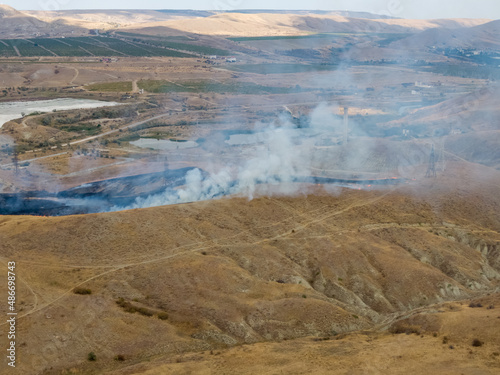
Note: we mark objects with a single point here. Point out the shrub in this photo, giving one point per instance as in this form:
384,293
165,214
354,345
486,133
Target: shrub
163,316
477,342
401,327
128,307
82,291
478,304
144,311
91,356
119,357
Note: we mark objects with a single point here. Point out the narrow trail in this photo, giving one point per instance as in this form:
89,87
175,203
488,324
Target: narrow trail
35,303
77,73
327,216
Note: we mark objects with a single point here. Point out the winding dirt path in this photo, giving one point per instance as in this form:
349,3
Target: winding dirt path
77,73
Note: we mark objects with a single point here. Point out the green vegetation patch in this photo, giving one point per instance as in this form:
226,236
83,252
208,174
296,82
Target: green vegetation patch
84,46
111,86
289,37
393,36
25,47
86,129
129,138
181,38
464,71
82,291
158,86
175,42
282,68
6,50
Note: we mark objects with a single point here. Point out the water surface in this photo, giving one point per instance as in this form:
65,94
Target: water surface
12,110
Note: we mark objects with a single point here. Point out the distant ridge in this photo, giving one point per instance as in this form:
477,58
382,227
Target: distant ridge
484,36
224,23
343,13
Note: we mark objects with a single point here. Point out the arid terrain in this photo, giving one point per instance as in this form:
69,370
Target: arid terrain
270,192
331,282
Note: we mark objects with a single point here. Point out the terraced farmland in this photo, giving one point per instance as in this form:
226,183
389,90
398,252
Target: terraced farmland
6,49
174,43
25,47
82,46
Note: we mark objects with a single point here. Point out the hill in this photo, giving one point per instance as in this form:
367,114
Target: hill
197,277
272,24
232,23
483,36
441,343
15,24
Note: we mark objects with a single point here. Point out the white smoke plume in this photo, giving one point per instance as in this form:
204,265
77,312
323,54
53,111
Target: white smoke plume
279,158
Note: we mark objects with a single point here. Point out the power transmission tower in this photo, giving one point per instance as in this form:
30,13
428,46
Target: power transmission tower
431,169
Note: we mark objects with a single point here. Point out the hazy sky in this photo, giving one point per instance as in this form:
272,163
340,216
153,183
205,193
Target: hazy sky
396,8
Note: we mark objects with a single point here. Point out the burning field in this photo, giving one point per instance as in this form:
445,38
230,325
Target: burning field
279,161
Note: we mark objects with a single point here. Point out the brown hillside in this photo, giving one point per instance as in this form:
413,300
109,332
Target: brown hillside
270,24
19,24
484,35
232,271
441,344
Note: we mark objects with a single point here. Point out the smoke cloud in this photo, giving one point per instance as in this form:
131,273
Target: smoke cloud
279,158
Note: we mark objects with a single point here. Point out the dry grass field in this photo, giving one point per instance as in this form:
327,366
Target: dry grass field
212,286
